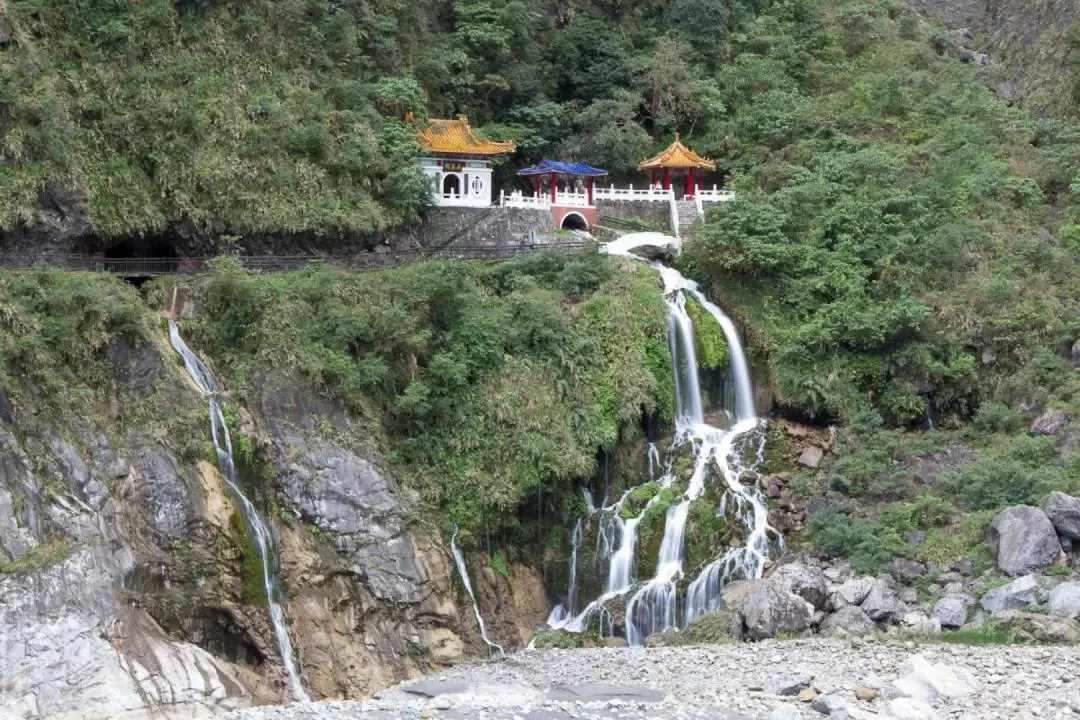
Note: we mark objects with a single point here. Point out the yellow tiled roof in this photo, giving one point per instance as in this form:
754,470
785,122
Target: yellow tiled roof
455,136
677,155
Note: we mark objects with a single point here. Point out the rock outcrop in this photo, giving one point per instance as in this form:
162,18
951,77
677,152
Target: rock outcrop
1064,513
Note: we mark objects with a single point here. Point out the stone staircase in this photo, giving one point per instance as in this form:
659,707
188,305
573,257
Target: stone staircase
686,211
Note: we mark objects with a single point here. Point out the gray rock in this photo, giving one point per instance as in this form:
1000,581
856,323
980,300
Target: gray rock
919,622
1020,592
811,457
734,594
807,582
850,619
1043,628
1023,540
924,681
855,590
788,685
831,705
785,712
1064,513
951,610
79,475
434,688
593,692
164,494
6,35
1050,422
914,537
907,570
6,413
770,611
909,709
1064,600
883,604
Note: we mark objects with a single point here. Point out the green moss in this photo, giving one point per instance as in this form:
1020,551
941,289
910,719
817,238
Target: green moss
558,639
709,343
40,557
498,564
707,534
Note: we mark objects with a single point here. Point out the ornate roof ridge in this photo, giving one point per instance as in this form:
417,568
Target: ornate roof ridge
677,155
457,136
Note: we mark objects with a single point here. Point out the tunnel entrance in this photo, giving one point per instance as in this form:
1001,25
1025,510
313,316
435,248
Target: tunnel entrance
138,260
574,221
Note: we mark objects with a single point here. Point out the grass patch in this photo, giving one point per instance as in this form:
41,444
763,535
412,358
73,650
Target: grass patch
40,557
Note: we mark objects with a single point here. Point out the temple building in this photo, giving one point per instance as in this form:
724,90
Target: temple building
683,161
572,206
458,163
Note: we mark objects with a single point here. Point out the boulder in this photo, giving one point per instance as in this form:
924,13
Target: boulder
1020,592
921,680
919,622
1043,628
907,570
850,619
855,590
1050,422
882,603
734,594
1023,540
6,36
1064,513
771,611
951,610
802,580
1065,600
811,457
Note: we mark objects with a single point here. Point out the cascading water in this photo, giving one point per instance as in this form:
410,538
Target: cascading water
459,561
653,607
202,377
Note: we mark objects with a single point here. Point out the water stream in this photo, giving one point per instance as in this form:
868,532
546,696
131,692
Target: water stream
202,377
653,604
459,561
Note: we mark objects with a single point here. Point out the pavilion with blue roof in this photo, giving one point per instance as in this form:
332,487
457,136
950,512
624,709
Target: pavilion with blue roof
553,169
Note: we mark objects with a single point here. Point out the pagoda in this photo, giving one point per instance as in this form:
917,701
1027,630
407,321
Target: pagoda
458,163
682,160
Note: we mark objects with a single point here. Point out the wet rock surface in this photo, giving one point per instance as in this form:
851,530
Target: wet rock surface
758,681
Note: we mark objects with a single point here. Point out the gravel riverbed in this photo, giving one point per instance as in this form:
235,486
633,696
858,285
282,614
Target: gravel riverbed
770,680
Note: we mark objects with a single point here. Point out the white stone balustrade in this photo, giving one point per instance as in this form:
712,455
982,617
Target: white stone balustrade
714,195
630,193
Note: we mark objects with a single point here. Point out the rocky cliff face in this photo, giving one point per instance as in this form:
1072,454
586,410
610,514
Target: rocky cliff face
125,575
1025,41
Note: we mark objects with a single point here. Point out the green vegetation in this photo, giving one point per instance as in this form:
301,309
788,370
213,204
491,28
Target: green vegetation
40,557
709,343
55,328
559,640
496,382
885,248
990,633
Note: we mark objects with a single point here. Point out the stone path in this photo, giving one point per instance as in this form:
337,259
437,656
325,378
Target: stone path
733,682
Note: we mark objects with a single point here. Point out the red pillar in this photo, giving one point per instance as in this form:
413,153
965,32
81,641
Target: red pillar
667,178
688,187
536,186
552,188
588,186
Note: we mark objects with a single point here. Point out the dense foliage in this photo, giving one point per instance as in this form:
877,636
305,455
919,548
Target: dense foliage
898,226
495,383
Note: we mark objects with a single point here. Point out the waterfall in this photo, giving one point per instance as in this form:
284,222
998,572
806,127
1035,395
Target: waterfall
459,561
202,377
561,612
653,606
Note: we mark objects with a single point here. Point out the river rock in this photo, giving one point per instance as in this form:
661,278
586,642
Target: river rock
787,684
924,681
785,713
883,603
907,570
1064,600
1020,592
1064,513
807,582
849,619
1044,628
1050,422
1023,540
831,705
770,611
909,709
734,594
951,611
